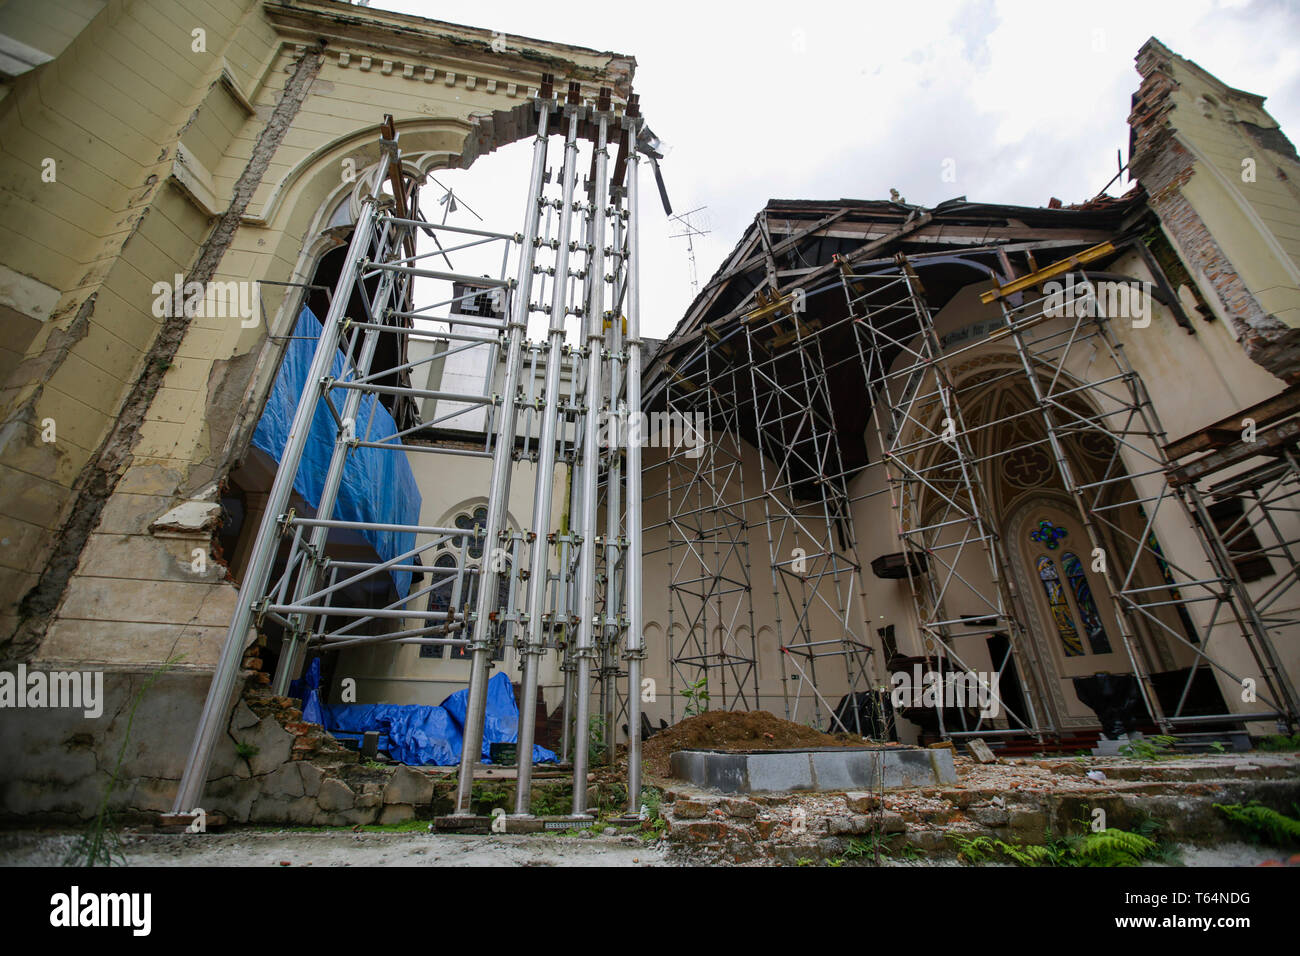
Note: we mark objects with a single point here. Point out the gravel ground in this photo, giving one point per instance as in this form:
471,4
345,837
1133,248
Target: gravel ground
344,848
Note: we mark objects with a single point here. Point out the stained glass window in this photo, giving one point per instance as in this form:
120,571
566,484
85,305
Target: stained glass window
1051,580
469,523
1092,625
440,597
1047,534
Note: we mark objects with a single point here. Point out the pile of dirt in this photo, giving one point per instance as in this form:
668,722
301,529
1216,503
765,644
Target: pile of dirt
735,730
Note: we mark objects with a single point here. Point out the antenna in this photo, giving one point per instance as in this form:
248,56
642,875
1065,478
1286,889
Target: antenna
449,205
689,232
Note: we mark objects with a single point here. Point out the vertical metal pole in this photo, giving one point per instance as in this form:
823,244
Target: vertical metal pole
613,520
591,467
535,645
212,718
632,557
490,574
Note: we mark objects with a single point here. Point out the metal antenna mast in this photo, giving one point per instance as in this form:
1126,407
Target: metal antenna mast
690,231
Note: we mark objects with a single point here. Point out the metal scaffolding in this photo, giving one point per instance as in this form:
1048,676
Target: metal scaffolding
1085,395
537,588
811,544
713,642
931,475
863,401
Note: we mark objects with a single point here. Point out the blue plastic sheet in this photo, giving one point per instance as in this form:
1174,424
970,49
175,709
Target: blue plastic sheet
409,733
417,734
307,690
501,720
378,485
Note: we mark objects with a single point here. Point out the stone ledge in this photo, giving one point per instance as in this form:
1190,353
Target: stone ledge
829,769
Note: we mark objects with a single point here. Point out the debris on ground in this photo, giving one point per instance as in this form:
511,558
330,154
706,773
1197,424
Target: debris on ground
1023,801
736,730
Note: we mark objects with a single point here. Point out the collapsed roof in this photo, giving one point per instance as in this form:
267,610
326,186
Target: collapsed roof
796,247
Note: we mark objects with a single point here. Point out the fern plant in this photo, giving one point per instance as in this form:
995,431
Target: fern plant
1112,847
1264,822
1155,747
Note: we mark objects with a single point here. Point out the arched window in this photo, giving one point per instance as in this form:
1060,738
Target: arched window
1061,614
1092,625
464,592
470,522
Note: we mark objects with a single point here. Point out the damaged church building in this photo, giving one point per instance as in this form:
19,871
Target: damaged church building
340,522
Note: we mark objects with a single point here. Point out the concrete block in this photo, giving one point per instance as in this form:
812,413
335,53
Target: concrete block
838,771
981,751
846,768
408,786
861,802
780,771
690,809
335,795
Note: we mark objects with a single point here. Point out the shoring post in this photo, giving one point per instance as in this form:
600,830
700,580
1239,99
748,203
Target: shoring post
632,558
535,641
498,496
595,334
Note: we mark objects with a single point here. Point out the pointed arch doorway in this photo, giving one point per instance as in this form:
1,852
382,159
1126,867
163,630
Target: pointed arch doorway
1071,617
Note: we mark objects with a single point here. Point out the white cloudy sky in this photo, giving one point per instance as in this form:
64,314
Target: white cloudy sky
805,100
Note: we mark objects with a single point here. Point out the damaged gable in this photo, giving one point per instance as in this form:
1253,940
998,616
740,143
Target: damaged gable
1222,178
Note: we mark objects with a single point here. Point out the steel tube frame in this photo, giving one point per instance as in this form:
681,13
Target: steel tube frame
538,577
594,320
194,776
635,652
500,483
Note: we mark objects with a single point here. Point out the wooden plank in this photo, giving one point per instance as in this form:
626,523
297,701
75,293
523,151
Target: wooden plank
1057,268
1228,429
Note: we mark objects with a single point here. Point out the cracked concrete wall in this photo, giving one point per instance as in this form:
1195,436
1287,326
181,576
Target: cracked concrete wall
267,768
87,213
258,145
209,160
1225,183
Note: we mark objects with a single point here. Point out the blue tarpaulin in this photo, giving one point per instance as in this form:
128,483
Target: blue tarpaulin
307,690
378,485
500,722
409,733
417,734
